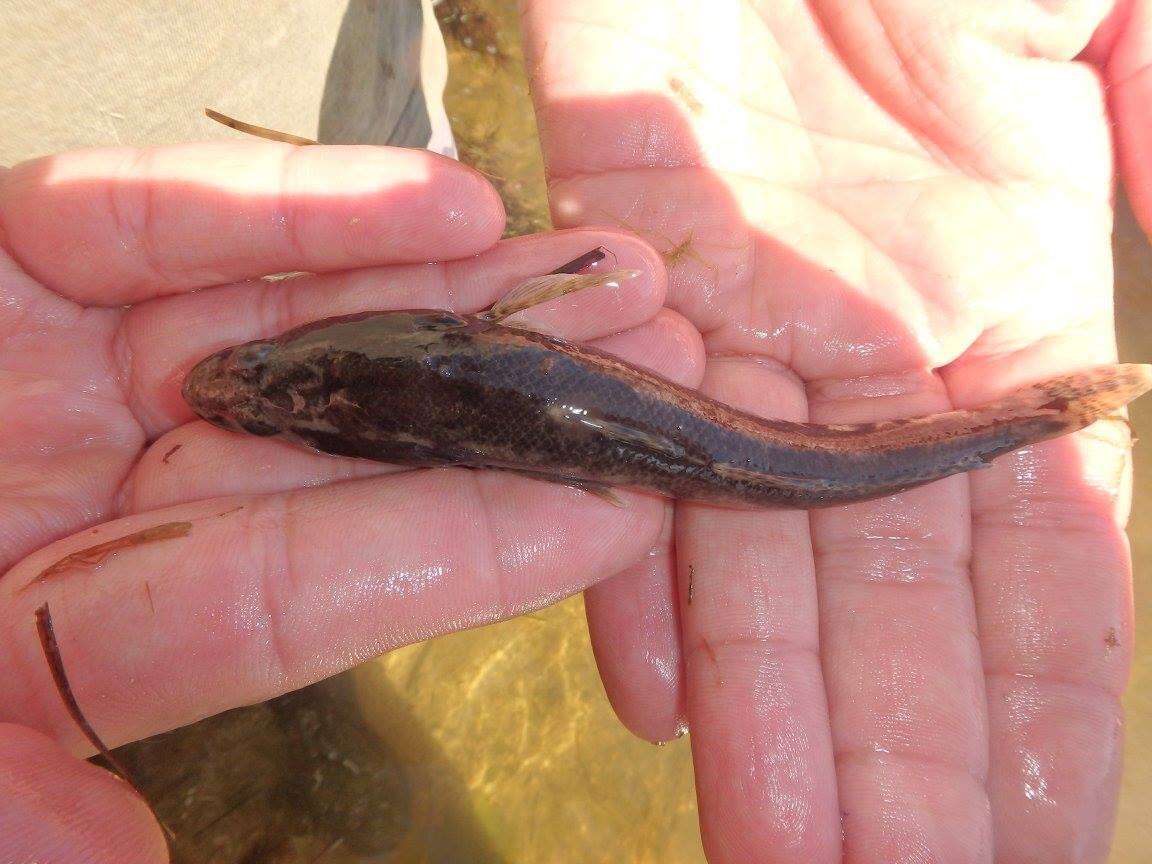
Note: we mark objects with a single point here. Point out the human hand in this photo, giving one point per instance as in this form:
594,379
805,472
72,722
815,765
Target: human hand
874,210
120,269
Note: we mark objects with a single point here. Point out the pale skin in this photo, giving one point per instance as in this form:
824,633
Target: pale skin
295,565
880,209
873,210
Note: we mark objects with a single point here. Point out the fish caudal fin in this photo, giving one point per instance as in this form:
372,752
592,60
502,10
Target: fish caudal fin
1079,399
879,459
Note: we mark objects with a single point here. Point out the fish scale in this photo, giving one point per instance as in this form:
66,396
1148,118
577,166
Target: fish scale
429,388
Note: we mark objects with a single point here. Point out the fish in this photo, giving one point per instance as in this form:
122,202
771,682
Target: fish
430,387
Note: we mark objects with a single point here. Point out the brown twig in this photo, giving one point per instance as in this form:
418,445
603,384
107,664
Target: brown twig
94,555
331,847
686,95
51,649
258,131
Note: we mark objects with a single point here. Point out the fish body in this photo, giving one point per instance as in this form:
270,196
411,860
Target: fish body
431,388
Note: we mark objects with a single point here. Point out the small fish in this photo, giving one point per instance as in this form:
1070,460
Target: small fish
431,387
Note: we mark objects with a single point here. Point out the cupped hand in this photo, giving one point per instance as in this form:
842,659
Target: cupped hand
121,268
874,209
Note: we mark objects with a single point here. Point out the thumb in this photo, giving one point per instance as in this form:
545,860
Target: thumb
58,809
1123,48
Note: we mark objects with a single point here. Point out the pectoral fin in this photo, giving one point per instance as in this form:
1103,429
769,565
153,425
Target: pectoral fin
630,435
748,475
600,490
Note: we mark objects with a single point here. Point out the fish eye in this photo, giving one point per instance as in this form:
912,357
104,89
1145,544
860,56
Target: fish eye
247,360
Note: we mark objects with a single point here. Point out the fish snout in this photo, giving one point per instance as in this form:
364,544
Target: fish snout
222,388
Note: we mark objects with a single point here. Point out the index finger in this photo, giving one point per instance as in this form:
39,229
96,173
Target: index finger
116,226
261,594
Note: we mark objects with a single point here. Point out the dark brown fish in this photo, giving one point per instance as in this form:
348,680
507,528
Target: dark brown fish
430,387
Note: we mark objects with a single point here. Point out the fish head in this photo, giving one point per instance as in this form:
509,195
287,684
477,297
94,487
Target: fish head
228,389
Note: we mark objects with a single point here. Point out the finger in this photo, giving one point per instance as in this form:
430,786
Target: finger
110,227
634,628
635,632
633,623
1127,66
1052,580
59,808
632,617
163,339
901,653
198,461
268,593
755,692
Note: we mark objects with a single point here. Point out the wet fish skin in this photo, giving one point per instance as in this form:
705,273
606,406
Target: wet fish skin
429,387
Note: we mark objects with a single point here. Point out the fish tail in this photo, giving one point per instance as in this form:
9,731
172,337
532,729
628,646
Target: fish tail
856,463
1074,401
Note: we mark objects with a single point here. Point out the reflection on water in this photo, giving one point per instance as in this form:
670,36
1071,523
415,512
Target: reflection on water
490,108
517,712
300,778
497,745
494,745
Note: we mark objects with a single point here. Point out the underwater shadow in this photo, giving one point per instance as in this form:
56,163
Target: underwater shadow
304,777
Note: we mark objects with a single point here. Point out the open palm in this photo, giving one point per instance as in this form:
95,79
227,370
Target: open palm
118,270
873,210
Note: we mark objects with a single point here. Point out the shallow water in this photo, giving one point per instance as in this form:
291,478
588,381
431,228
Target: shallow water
497,745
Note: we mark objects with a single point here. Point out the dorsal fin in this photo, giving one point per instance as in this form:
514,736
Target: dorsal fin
749,475
541,289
